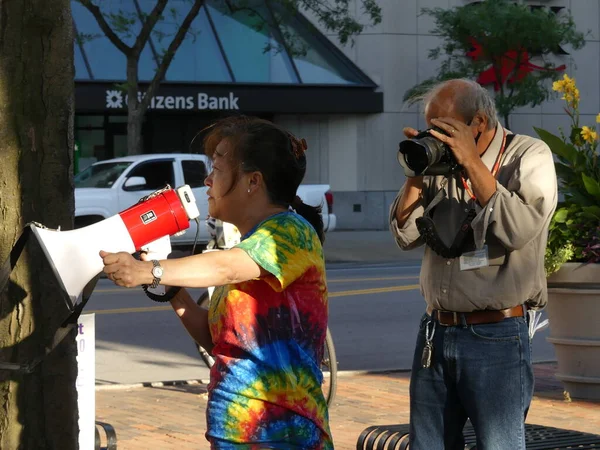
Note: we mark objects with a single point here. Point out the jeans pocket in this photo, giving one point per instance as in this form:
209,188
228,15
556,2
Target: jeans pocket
507,330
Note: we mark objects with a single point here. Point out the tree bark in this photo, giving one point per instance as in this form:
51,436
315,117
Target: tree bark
38,409
134,114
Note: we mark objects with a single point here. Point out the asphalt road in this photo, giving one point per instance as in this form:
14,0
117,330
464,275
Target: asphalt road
374,312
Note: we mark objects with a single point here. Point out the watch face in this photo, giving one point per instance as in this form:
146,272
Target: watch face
157,272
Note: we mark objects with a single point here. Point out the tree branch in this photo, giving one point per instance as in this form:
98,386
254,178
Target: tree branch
171,50
105,27
148,26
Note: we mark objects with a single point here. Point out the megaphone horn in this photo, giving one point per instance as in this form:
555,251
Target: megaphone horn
74,254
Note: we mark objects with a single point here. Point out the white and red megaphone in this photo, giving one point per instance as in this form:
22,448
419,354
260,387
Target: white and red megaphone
74,254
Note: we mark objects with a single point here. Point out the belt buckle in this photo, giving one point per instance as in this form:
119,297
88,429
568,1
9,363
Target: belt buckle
454,318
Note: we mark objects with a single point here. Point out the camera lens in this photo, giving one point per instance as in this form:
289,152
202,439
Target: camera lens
415,155
422,154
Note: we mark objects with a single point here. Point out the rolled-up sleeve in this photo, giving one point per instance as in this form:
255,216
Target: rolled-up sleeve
519,211
407,237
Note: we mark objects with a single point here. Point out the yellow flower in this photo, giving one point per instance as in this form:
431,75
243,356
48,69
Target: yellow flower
598,118
589,134
565,85
558,86
569,81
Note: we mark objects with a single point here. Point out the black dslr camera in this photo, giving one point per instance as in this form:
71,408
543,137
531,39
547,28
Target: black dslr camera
427,155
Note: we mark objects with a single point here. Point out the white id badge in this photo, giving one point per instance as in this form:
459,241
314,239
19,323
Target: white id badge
475,260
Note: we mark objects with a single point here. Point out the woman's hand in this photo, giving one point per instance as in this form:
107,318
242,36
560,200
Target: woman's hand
124,270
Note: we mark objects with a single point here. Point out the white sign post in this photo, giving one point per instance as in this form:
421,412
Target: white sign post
86,380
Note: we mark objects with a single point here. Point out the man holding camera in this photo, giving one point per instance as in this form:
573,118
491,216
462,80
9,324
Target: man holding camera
481,199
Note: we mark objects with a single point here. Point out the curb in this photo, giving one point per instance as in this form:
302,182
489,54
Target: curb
341,373
118,387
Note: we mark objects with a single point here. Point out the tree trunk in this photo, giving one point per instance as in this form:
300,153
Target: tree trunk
134,131
39,409
134,115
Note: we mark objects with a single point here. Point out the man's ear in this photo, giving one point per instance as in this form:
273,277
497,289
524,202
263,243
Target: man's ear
480,121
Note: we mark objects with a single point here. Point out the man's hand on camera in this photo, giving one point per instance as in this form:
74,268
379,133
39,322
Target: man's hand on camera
410,132
413,181
460,139
462,144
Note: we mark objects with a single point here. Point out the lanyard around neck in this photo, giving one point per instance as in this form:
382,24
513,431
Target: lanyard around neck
495,168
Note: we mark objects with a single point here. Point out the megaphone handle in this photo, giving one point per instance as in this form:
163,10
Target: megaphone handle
167,296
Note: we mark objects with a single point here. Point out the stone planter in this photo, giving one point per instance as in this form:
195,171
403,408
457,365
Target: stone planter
574,315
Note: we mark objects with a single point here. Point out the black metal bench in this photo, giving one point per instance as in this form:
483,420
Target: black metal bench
537,437
110,436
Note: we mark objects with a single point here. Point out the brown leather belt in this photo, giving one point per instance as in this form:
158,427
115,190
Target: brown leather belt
450,318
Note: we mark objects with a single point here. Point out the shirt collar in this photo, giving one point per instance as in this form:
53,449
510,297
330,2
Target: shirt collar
491,153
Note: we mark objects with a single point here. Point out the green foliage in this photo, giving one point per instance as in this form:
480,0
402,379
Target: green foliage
500,26
574,234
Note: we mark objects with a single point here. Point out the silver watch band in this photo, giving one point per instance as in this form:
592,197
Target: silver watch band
156,280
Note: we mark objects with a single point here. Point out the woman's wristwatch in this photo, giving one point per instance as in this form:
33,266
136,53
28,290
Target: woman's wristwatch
157,273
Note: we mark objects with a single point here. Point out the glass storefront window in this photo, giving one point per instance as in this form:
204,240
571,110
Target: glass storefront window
85,121
117,119
198,57
91,146
221,46
106,61
81,71
245,37
315,63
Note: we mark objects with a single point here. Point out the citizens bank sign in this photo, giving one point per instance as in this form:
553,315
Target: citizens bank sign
98,97
201,101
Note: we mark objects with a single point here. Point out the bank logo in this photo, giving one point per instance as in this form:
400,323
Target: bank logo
114,99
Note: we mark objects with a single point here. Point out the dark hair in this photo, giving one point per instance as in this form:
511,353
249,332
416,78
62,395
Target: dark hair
260,145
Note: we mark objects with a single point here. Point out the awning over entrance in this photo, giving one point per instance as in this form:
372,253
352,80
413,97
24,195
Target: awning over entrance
225,63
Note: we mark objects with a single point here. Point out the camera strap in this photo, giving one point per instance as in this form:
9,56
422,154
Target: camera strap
427,228
429,233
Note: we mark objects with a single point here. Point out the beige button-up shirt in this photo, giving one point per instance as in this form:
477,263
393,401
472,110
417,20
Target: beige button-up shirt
513,225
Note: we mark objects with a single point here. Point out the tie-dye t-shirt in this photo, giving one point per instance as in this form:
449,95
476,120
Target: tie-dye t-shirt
269,335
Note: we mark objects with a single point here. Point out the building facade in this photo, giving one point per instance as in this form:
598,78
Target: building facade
345,101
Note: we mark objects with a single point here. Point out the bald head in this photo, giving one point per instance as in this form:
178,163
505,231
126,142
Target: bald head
461,98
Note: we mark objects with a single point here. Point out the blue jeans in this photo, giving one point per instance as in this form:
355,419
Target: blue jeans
479,372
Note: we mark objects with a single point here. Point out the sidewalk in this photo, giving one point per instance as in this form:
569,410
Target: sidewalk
172,417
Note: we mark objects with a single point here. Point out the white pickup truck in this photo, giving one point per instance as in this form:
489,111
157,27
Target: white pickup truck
109,187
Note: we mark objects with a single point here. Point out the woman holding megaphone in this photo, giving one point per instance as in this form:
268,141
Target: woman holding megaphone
268,315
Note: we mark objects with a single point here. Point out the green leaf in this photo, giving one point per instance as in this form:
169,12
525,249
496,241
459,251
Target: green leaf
566,174
592,210
558,147
581,198
591,185
560,216
575,137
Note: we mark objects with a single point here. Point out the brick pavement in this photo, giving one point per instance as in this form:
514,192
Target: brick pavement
172,417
